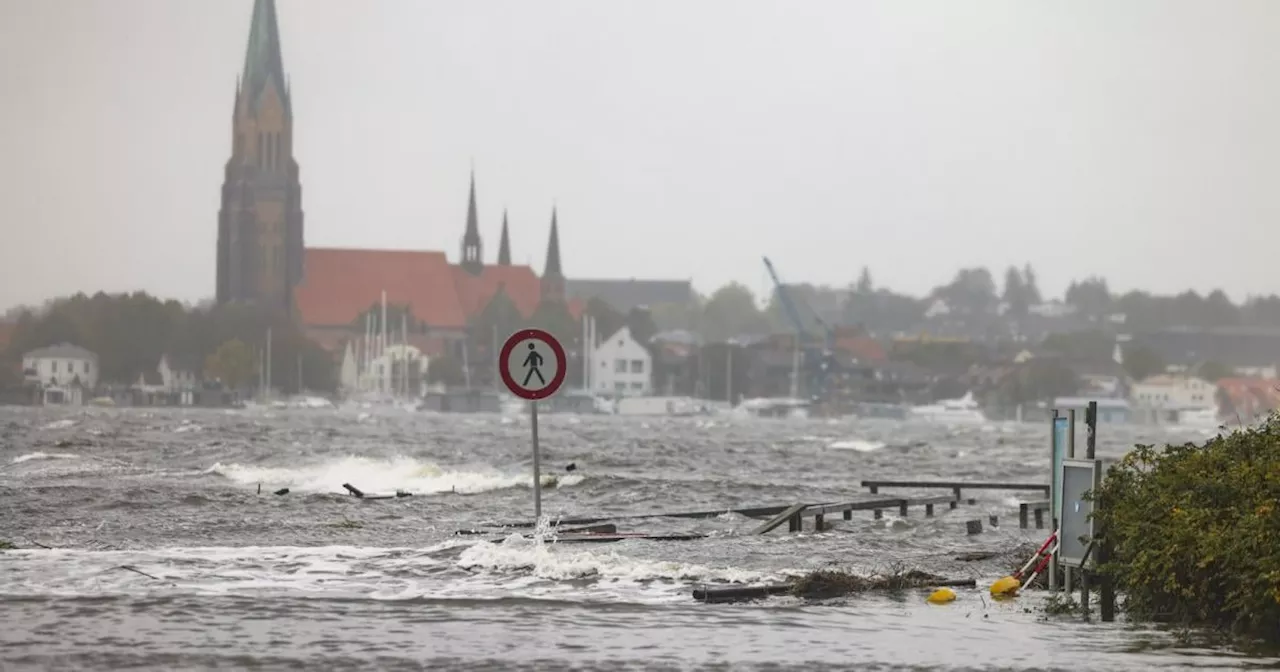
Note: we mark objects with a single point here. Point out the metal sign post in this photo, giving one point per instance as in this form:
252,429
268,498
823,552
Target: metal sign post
532,364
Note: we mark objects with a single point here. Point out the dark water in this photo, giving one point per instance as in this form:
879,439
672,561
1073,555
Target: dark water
319,580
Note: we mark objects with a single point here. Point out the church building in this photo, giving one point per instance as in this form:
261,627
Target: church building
261,257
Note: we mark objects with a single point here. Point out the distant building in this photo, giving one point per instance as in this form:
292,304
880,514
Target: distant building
623,366
62,371
623,295
1174,392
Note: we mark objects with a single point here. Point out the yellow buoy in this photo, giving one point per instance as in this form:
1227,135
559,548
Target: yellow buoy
1005,587
942,596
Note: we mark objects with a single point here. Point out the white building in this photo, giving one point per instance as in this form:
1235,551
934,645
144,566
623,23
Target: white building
63,371
400,369
1174,392
622,366
167,379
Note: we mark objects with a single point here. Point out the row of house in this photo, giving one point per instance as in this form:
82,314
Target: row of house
67,374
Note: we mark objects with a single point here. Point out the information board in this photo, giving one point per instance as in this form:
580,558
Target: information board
1078,477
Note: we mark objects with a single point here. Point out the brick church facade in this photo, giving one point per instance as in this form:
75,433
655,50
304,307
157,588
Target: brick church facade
261,257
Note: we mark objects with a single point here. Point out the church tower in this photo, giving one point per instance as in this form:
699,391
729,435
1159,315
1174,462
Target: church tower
260,246
472,259
504,245
552,275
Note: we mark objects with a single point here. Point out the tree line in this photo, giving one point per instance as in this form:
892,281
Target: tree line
130,333
734,310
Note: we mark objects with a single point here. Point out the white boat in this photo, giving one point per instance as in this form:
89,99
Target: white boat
959,411
773,407
667,406
1201,418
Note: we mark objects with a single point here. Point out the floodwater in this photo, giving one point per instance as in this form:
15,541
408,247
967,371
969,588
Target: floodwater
162,555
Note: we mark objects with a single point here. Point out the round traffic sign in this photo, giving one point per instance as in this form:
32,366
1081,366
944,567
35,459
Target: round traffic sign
532,364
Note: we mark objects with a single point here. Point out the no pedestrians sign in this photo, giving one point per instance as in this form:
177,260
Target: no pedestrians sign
532,364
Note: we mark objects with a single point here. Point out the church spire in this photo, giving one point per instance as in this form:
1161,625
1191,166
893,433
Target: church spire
504,245
263,64
472,262
552,274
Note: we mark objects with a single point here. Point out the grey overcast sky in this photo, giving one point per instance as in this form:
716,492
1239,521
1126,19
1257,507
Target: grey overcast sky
1136,139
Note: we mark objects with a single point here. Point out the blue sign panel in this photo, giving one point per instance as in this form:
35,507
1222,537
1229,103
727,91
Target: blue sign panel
1061,428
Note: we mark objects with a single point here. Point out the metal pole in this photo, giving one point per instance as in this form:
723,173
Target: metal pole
1053,495
1068,572
537,465
1091,425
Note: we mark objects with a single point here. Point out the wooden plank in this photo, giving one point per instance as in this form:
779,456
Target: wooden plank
953,485
750,512
609,538
790,512
873,504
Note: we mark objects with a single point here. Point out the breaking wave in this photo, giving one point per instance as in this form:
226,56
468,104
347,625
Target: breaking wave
376,475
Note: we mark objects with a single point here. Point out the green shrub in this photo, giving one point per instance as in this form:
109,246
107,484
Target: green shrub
1195,531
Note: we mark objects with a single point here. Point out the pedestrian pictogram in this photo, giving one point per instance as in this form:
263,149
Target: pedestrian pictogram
532,364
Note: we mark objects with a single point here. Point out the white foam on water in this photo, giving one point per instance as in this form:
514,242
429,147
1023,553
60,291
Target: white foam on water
60,424
857,444
560,562
43,456
381,475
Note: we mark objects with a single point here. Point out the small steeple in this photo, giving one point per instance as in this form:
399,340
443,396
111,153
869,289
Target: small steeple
504,245
263,63
472,261
552,274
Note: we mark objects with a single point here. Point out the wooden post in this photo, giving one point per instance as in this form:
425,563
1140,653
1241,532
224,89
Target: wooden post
902,509
1039,519
928,510
1106,589
955,502
817,523
1022,515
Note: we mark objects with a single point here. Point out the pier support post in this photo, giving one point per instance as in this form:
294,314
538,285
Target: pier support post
955,502
1022,515
928,510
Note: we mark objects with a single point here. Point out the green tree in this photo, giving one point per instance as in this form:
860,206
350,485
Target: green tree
1193,530
1031,285
972,292
731,311
1141,362
607,320
1015,292
233,363
1090,297
640,322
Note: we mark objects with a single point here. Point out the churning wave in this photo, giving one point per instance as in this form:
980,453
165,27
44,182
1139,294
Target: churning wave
376,474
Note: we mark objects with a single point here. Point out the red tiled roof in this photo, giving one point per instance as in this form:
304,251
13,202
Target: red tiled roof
475,291
865,349
340,284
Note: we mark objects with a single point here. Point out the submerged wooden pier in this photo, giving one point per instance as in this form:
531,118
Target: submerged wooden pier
794,514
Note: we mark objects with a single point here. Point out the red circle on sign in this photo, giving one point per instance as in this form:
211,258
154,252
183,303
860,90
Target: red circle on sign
562,364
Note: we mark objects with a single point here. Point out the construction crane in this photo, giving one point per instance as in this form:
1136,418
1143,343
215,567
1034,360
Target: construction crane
821,358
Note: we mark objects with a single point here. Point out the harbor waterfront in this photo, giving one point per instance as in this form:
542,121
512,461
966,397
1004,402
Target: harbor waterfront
167,549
